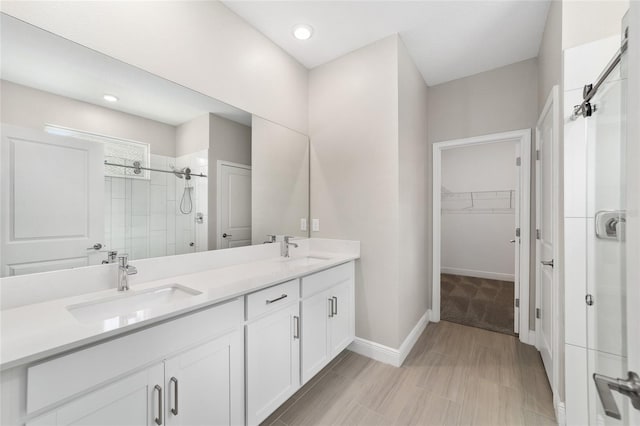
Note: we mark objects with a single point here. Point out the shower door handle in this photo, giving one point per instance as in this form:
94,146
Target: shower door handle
629,387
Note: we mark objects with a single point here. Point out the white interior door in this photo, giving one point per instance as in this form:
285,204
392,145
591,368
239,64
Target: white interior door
546,231
234,205
52,202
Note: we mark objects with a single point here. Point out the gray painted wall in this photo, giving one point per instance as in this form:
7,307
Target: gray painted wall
353,127
202,45
27,107
369,156
414,157
279,180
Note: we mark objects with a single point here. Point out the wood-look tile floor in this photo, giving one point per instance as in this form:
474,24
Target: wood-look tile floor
455,375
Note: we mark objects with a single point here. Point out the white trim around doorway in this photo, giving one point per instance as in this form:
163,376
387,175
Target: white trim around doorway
524,138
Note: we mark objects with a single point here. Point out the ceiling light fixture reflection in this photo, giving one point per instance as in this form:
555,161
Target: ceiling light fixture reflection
302,32
110,98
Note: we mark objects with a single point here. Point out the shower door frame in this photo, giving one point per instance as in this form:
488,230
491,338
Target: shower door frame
524,138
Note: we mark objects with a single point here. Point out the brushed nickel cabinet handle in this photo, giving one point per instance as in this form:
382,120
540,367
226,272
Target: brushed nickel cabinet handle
330,307
296,330
174,410
335,305
276,299
159,418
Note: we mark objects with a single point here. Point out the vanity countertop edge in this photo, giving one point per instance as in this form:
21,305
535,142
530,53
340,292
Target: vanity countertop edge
32,333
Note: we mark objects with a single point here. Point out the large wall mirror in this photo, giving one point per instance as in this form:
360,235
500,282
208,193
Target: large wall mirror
99,156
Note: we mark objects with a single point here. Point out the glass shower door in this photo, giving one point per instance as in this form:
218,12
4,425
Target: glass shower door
606,262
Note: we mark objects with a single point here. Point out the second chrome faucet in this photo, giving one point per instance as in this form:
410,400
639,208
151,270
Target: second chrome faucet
284,246
124,270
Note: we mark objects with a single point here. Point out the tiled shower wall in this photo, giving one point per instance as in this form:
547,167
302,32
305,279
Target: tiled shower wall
142,217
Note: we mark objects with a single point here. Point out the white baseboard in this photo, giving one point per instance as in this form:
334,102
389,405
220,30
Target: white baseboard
528,337
561,414
479,274
387,354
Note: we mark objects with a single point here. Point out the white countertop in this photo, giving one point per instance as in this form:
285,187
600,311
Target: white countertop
36,331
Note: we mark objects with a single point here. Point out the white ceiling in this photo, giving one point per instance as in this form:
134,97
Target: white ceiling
36,58
446,39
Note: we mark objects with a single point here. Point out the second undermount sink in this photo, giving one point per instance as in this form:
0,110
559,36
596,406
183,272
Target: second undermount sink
304,261
130,307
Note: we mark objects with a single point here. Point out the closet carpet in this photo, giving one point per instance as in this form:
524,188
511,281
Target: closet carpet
477,302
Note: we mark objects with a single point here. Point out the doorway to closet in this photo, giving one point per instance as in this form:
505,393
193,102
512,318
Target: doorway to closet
481,199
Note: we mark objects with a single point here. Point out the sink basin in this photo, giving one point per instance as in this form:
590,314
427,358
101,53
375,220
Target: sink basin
130,307
305,261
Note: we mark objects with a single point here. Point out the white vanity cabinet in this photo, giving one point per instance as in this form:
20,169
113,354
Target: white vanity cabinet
196,376
133,400
203,386
273,349
328,321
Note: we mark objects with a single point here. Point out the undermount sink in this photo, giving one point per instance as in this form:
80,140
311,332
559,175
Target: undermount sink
130,307
305,261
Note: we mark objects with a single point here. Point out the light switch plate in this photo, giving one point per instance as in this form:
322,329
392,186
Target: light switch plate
315,225
303,224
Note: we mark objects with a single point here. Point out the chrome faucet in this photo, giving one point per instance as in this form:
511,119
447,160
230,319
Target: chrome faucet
284,246
124,270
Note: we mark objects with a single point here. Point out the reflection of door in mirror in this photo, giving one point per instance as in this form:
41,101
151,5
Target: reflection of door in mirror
52,202
234,203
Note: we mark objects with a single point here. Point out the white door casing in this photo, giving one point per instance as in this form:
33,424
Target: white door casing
52,201
233,205
547,242
523,139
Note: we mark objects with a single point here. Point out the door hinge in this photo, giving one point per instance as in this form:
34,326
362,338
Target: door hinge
518,161
538,234
517,232
517,303
538,313
537,154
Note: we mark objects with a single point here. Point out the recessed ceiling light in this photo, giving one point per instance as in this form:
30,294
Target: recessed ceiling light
110,98
302,31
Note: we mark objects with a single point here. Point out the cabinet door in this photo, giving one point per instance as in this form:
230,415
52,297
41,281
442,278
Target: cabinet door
133,400
314,337
341,323
273,362
204,385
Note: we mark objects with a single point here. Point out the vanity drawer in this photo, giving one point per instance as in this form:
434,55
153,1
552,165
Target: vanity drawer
320,281
272,298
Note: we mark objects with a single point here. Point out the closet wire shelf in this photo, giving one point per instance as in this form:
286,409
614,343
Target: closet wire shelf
502,201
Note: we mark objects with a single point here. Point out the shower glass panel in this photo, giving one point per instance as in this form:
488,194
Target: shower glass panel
606,313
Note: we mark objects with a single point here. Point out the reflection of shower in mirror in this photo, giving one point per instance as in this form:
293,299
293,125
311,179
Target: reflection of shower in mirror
186,203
